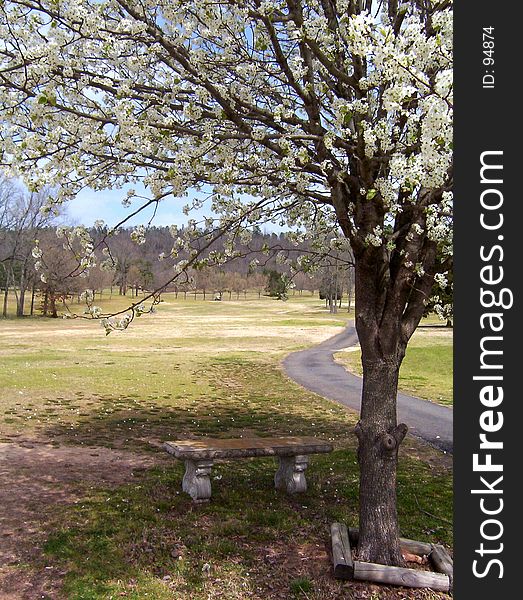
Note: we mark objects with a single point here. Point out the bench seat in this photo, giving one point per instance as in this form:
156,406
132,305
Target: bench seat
199,455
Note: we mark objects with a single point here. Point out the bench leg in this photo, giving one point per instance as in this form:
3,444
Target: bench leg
196,481
290,475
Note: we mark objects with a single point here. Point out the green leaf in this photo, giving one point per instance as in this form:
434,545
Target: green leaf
371,193
47,100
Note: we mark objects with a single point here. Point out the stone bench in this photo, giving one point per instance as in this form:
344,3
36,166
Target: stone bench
199,455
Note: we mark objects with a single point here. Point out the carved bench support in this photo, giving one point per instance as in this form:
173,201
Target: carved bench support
199,455
196,481
290,476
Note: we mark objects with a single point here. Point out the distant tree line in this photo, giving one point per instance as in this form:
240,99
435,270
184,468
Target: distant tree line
29,235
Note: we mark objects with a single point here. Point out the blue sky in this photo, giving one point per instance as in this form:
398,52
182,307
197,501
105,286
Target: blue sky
91,205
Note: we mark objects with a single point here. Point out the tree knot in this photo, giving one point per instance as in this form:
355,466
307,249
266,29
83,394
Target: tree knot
390,440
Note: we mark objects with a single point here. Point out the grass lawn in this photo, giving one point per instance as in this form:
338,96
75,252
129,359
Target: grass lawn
426,371
194,368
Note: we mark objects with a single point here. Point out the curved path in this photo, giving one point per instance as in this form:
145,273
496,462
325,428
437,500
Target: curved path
316,370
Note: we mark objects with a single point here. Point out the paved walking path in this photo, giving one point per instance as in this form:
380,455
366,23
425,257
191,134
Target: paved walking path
316,370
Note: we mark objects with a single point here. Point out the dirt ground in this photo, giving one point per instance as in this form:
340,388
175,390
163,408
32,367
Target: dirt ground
35,478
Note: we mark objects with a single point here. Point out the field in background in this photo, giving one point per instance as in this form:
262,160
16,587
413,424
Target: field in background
60,372
194,368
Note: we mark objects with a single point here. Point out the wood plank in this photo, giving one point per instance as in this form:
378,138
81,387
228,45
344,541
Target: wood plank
413,546
341,552
442,561
414,578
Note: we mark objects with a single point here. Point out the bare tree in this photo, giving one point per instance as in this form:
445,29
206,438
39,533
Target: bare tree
24,218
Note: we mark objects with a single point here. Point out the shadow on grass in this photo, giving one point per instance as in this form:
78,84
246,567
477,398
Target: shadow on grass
250,541
146,428
244,398
148,540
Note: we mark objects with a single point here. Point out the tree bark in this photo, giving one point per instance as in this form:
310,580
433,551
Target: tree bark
52,305
33,291
45,303
349,299
6,296
383,339
20,303
379,440
20,299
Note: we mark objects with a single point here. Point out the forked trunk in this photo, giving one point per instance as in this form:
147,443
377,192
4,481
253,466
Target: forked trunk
379,439
20,301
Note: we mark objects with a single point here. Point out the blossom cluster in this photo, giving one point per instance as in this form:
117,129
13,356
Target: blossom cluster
273,108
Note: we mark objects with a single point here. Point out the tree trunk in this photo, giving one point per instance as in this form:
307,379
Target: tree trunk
6,295
45,303
20,303
33,291
379,440
20,297
52,305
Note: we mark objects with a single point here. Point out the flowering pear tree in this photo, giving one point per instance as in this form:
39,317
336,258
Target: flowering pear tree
322,115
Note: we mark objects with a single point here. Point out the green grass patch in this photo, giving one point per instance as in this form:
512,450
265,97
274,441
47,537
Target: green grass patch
148,538
196,368
301,587
427,368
